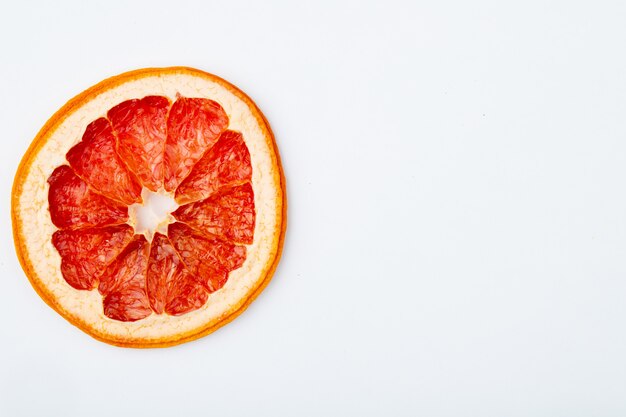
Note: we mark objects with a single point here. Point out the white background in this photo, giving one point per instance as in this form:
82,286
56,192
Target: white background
457,209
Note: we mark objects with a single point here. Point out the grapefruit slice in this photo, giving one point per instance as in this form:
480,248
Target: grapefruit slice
161,134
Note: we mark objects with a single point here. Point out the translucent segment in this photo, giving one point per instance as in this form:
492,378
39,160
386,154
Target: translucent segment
193,126
129,304
96,161
210,259
229,214
73,204
123,283
171,287
140,126
186,296
227,162
85,253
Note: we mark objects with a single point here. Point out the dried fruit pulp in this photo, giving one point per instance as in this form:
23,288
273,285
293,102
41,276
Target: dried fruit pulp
49,251
182,147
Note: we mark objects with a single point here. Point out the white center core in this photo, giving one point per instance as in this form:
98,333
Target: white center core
154,214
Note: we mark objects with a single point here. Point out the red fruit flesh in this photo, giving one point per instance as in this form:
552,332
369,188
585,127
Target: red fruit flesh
86,253
193,126
73,204
123,283
229,214
226,163
140,126
95,160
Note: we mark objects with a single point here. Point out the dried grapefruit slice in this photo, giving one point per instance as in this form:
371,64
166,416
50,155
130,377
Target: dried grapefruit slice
175,132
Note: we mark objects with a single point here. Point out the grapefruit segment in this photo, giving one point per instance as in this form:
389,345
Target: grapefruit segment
227,162
193,126
186,296
74,205
140,126
129,304
123,283
210,259
229,214
85,253
95,160
171,287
